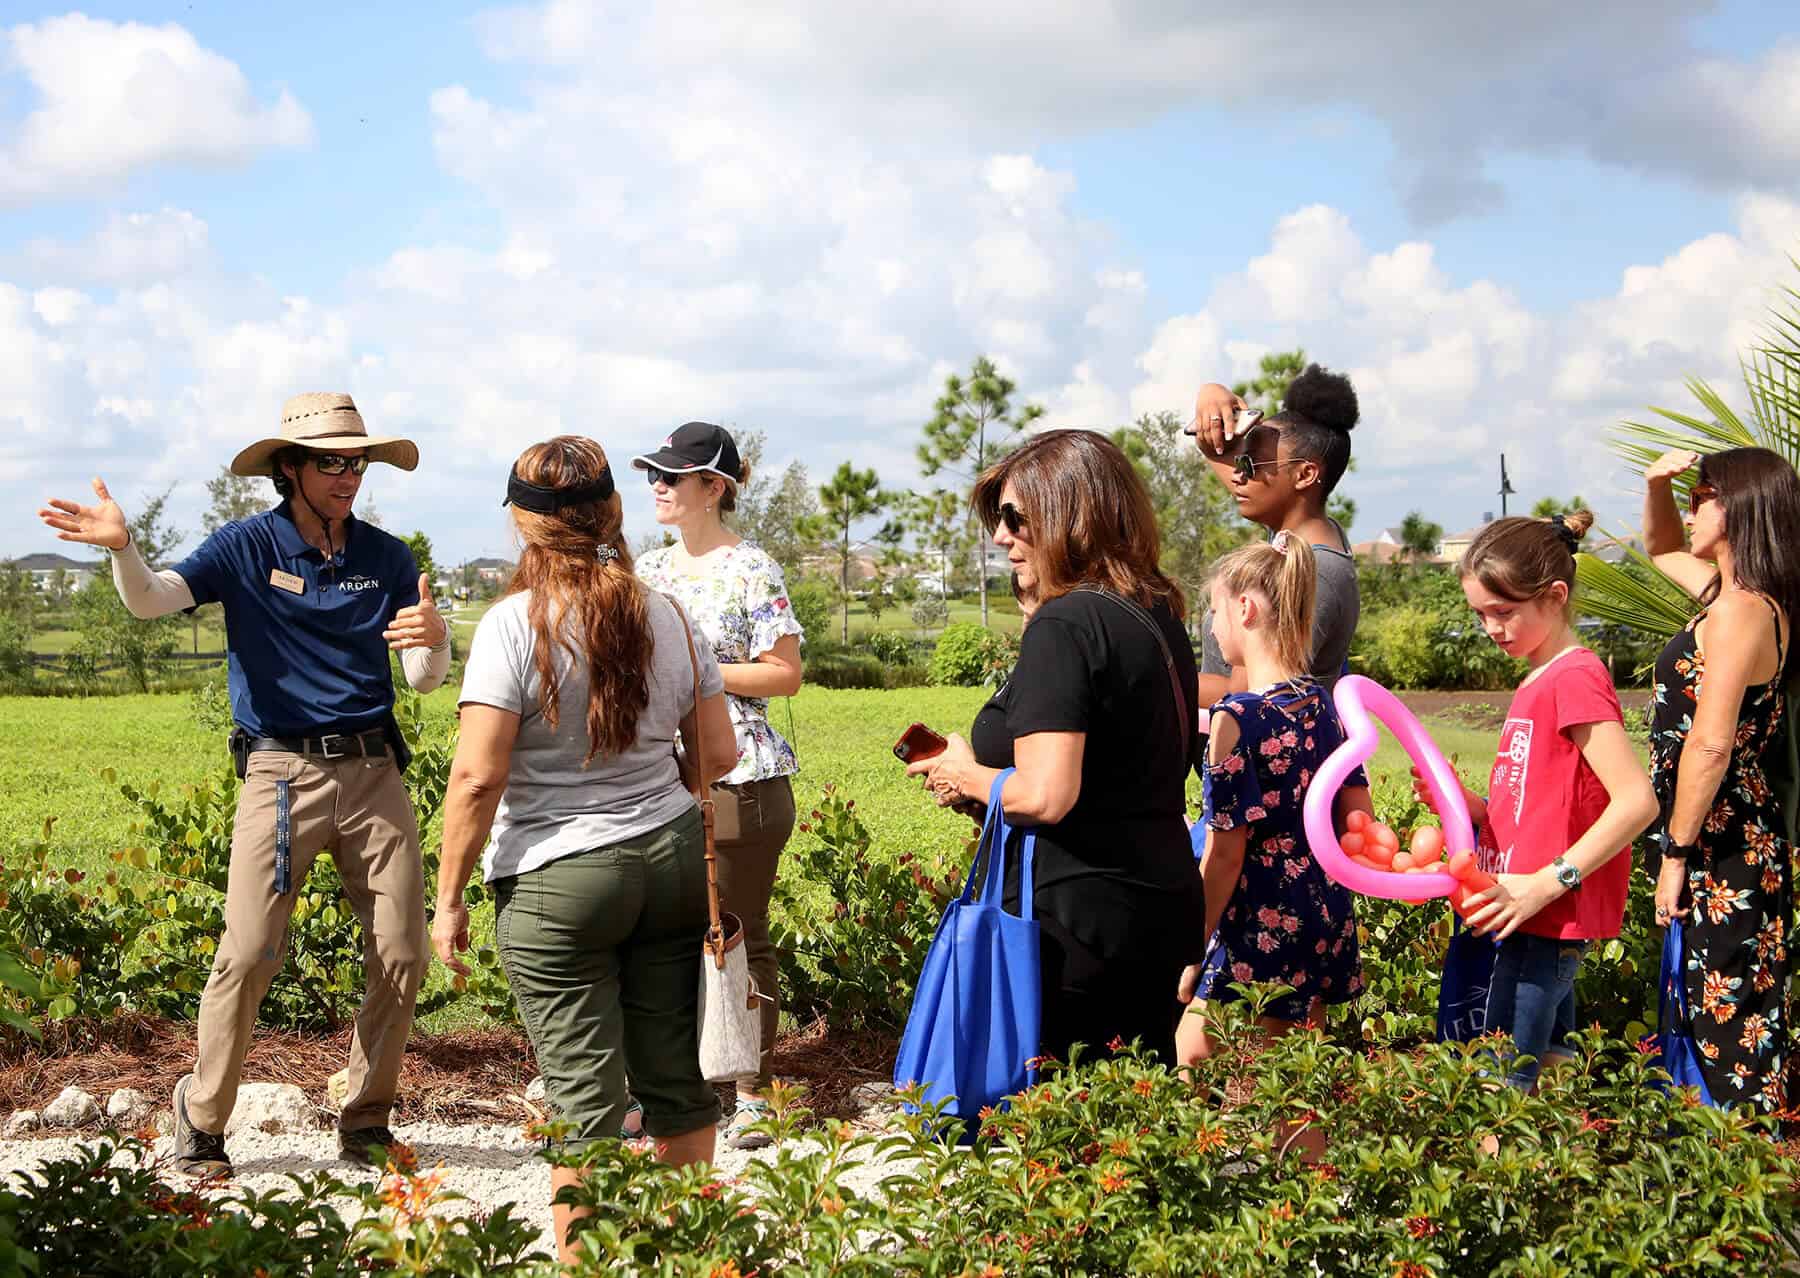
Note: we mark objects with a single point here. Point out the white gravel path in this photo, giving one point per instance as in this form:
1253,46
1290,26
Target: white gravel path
487,1164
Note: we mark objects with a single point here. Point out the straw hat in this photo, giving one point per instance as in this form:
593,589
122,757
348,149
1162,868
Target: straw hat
325,421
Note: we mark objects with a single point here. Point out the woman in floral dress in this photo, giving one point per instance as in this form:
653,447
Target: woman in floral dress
738,600
1719,736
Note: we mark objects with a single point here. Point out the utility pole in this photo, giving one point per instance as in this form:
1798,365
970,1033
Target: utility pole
1506,488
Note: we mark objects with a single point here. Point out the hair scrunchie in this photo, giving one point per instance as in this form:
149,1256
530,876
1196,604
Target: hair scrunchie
1570,537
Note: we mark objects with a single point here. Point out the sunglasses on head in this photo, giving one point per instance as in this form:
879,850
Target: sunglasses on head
337,463
1699,495
1013,518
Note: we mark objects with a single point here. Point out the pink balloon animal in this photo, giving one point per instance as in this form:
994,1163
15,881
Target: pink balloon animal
1357,698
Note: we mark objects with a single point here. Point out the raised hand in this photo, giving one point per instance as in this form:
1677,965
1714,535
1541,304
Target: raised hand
417,626
102,524
1215,417
1675,462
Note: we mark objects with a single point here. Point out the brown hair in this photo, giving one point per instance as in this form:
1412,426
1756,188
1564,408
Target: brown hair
1761,496
592,606
1089,513
1286,573
729,497
1520,558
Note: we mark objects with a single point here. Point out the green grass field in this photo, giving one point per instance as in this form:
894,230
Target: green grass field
53,752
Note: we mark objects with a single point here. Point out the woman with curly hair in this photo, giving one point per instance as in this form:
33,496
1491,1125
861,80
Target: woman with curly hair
1718,735
1281,472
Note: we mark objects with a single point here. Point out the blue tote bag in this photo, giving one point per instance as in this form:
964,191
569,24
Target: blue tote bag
1463,987
1675,1043
975,1016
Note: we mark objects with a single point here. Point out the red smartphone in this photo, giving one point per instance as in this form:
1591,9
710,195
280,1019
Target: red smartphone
918,742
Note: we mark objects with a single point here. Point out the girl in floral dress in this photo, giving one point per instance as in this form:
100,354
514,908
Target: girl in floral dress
1272,915
1718,746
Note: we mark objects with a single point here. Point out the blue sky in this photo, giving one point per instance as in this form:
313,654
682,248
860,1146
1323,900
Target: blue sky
495,224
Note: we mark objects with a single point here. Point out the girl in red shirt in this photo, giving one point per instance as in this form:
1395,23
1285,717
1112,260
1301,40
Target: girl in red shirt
1567,794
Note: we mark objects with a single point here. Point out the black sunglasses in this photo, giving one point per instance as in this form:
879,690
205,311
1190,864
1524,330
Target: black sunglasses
1245,468
337,463
653,476
1013,518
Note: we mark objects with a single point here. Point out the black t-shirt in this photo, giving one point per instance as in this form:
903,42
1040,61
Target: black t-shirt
1086,664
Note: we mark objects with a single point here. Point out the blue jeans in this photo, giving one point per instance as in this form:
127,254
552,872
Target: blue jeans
1532,998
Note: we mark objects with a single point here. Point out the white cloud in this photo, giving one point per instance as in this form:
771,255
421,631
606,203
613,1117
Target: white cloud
130,248
115,98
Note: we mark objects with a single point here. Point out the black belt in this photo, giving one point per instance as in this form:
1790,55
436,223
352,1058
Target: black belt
370,744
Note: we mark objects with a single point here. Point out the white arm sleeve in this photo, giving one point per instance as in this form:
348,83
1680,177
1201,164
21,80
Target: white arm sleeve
148,594
426,667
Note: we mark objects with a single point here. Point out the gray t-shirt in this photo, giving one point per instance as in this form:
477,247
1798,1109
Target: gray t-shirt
553,805
1336,611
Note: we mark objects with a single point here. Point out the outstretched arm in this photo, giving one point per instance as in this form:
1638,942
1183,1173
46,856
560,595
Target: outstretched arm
146,594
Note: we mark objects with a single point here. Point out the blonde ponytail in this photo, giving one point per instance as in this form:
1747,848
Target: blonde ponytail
1286,573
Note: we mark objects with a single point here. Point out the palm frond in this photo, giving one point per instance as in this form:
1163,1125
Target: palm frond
1651,603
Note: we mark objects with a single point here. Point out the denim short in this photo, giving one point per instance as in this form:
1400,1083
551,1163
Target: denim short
1532,998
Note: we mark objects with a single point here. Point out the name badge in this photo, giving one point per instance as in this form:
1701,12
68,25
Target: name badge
286,581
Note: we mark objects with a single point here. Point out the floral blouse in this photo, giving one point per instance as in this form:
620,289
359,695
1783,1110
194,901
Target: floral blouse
741,607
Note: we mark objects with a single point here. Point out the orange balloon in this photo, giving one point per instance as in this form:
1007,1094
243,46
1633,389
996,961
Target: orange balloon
1356,821
1427,843
1352,844
1403,860
1364,861
1380,853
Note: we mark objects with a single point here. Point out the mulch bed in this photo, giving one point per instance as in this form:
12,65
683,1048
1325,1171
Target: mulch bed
1488,709
466,1076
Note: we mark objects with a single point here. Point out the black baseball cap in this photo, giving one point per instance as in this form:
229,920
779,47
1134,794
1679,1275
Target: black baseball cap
694,447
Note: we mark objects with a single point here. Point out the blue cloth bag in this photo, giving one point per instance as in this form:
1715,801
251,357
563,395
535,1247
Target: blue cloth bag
975,1017
1463,987
1675,1043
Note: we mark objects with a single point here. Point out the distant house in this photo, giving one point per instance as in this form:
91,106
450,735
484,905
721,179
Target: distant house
1385,548
1455,545
44,567
494,571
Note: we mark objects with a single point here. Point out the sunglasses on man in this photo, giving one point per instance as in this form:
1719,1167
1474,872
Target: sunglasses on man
1699,495
337,463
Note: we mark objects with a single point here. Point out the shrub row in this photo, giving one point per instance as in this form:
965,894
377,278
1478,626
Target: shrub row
1106,1167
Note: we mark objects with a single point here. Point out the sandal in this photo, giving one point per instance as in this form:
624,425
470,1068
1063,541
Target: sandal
632,1128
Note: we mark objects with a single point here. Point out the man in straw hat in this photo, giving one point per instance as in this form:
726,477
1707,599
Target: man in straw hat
314,600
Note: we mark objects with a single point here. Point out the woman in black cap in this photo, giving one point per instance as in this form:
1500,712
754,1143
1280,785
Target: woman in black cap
737,597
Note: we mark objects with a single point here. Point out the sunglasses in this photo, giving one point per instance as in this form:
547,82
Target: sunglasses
1013,518
667,478
337,463
1699,495
1245,469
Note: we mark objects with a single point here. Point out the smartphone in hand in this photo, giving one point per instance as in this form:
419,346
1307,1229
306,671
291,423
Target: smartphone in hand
918,742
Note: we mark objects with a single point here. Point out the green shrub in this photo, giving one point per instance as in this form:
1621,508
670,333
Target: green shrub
852,953
1114,1167
72,934
964,655
87,1213
811,601
1396,648
890,648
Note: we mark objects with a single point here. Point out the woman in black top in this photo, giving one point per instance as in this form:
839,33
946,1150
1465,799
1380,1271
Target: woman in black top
1099,720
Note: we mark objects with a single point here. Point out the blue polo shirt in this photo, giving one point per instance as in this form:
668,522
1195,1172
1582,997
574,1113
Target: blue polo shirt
304,632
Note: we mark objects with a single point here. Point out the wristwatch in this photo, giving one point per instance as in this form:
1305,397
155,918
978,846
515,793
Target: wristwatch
1566,873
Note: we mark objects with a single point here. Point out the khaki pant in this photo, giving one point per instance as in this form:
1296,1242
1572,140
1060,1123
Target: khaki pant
752,822
357,809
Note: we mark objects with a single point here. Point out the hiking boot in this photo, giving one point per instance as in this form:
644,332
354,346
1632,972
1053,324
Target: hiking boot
738,1132
366,1146
197,1153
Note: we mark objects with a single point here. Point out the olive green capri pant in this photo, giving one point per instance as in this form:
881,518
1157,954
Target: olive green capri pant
602,950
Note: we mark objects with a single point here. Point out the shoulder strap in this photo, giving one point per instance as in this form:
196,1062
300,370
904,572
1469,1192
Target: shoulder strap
1149,622
1780,647
698,789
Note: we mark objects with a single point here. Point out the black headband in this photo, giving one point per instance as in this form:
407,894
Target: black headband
1570,537
547,501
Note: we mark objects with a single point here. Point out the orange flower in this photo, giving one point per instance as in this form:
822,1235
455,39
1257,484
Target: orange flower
727,1270
831,1204
401,1159
1421,1226
1113,1181
410,1197
1411,1269
1142,1087
1208,1139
